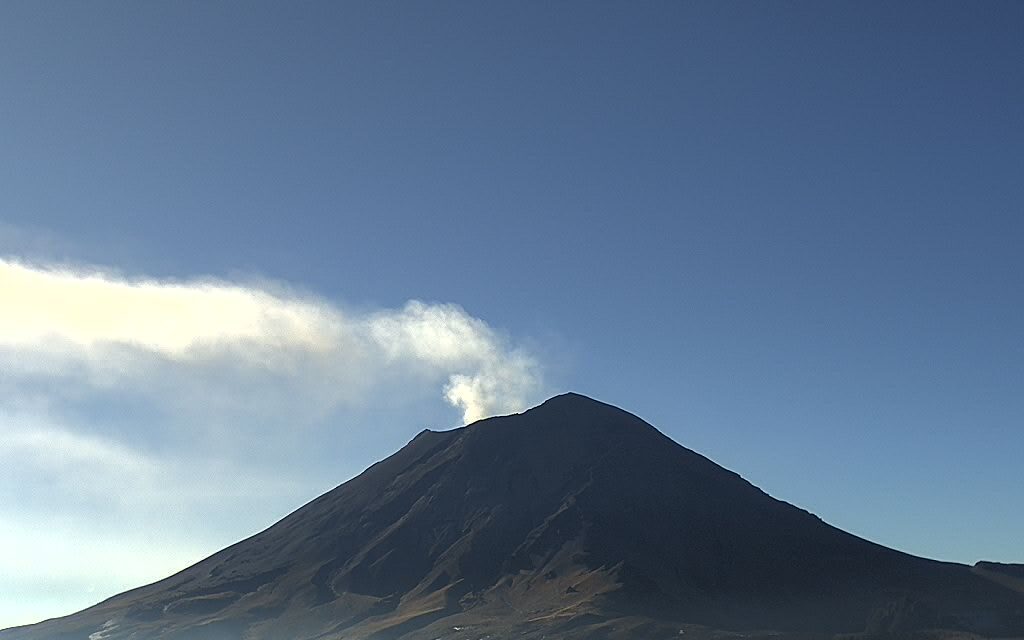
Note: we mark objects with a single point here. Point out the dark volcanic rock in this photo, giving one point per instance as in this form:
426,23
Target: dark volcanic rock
574,519
902,615
1012,570
1010,576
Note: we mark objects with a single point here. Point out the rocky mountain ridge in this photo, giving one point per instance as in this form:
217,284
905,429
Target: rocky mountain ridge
574,519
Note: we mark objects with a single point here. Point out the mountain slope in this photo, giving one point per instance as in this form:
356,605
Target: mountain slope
573,519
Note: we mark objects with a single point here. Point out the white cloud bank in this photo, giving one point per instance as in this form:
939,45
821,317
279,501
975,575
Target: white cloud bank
110,328
141,415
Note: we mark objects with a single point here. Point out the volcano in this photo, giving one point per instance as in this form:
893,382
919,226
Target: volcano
574,519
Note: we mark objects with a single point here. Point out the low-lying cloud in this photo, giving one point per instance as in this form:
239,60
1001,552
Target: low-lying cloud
110,330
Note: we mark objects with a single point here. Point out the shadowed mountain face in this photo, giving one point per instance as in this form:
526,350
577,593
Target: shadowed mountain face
572,520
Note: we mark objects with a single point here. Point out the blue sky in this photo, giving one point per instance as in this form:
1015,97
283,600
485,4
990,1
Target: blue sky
787,234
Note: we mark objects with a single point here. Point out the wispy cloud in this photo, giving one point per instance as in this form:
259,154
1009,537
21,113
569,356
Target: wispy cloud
84,516
140,415
61,449
57,320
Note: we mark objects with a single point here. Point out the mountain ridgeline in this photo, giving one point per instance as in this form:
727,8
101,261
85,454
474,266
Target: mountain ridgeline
574,519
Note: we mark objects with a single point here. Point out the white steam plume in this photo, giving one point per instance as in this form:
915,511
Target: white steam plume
111,327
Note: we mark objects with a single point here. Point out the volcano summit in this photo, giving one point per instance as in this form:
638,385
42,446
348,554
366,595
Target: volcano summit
574,519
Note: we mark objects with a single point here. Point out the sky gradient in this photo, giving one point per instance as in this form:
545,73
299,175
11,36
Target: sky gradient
788,235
